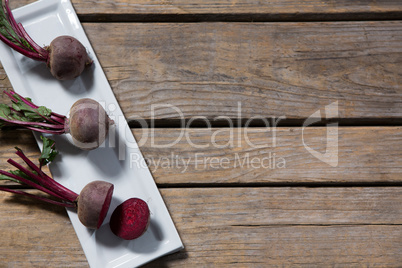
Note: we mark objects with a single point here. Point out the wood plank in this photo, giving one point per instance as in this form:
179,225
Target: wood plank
260,155
254,70
312,246
34,234
255,155
283,226
243,226
23,139
234,10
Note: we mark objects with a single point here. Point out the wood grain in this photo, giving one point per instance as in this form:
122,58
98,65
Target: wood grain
233,226
22,139
253,70
34,234
296,246
283,71
249,10
255,155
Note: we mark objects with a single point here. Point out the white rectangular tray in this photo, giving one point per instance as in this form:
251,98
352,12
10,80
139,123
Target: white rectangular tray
117,160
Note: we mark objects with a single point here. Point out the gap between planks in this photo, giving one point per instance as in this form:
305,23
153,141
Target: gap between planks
259,123
239,17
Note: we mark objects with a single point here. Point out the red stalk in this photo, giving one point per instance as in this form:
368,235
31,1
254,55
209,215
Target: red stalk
58,123
47,131
17,40
53,124
40,124
30,163
11,94
33,176
43,52
58,119
29,183
54,202
39,54
47,180
29,54
49,186
10,18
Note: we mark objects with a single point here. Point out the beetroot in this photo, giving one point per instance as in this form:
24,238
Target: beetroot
66,57
92,203
88,123
130,219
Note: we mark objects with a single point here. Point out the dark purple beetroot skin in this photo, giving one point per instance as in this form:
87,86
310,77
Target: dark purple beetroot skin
67,57
93,203
88,124
130,219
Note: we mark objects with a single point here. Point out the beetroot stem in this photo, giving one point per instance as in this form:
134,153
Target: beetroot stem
10,18
26,53
47,131
11,94
67,192
54,202
18,41
52,123
27,161
43,52
58,119
53,187
30,183
71,196
40,53
39,124
55,123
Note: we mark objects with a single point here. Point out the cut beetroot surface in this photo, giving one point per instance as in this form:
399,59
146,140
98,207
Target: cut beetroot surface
105,207
130,219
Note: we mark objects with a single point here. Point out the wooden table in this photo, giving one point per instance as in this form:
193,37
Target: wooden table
226,89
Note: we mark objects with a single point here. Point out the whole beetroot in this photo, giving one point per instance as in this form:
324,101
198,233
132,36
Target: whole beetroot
66,57
130,219
88,123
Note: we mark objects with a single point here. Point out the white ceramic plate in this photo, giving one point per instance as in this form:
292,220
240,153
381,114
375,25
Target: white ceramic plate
118,160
